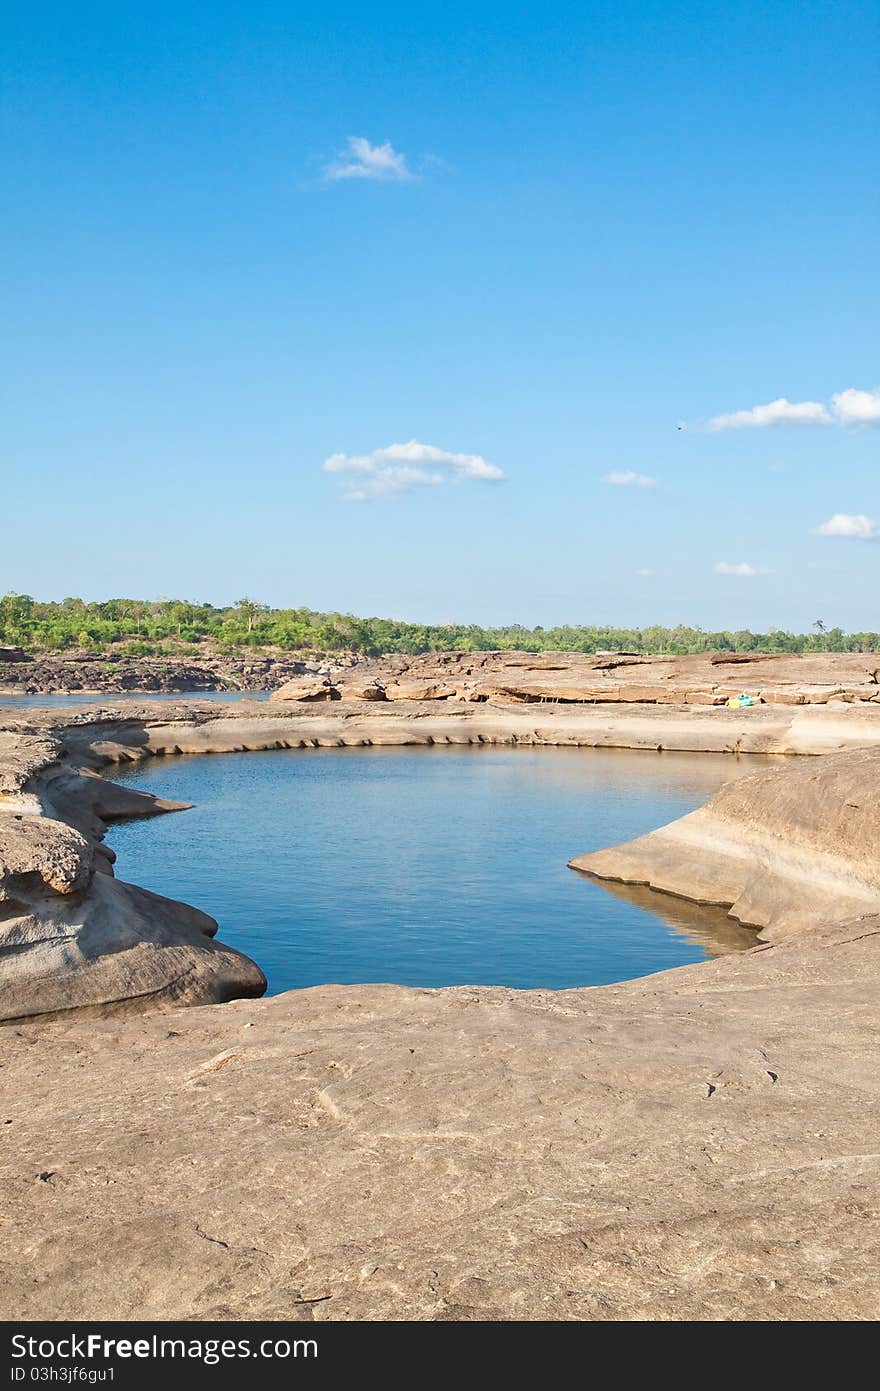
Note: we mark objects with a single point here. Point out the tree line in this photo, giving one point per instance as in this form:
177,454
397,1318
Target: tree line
139,627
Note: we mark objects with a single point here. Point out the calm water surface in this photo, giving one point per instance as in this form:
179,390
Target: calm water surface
27,701
426,867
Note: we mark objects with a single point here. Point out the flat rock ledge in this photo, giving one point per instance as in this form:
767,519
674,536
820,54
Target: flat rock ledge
700,1144
604,678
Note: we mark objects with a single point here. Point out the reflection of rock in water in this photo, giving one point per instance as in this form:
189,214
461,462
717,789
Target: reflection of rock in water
792,847
710,927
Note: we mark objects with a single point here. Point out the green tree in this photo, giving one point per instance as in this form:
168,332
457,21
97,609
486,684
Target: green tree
250,610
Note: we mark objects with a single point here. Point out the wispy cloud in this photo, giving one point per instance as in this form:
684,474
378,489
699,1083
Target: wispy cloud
779,412
852,407
854,525
742,569
626,478
398,468
361,160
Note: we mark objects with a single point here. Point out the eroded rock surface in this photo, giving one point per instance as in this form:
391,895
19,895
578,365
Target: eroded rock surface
701,1144
73,938
783,849
603,678
69,673
609,677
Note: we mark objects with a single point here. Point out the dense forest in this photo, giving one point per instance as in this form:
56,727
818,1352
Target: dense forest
138,627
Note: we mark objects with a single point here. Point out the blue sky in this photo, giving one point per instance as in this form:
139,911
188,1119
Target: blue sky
555,238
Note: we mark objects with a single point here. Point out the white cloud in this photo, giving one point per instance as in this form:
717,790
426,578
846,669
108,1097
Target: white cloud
644,573
361,160
855,525
743,569
854,407
389,481
779,412
627,479
849,407
400,467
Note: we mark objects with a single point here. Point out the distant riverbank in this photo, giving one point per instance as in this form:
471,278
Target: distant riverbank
84,675
506,676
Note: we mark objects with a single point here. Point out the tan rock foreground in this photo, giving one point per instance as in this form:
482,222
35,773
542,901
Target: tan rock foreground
703,1143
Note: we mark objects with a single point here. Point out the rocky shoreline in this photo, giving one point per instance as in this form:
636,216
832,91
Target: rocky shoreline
84,673
504,676
76,938
781,853
698,1144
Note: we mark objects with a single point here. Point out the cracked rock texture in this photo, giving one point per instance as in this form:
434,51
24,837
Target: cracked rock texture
701,1144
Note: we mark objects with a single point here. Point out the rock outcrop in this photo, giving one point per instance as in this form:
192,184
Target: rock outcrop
73,672
74,938
310,688
574,678
106,734
782,849
526,677
105,947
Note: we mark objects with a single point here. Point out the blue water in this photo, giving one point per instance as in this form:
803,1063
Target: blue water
81,698
425,867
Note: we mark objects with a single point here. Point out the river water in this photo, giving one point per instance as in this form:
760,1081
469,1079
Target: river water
19,702
428,866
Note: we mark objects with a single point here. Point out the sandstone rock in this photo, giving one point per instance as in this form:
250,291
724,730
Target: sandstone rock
354,690
783,697
783,849
106,947
739,658
419,690
73,938
23,755
306,688
567,672
705,698
37,854
696,1145
609,661
576,677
